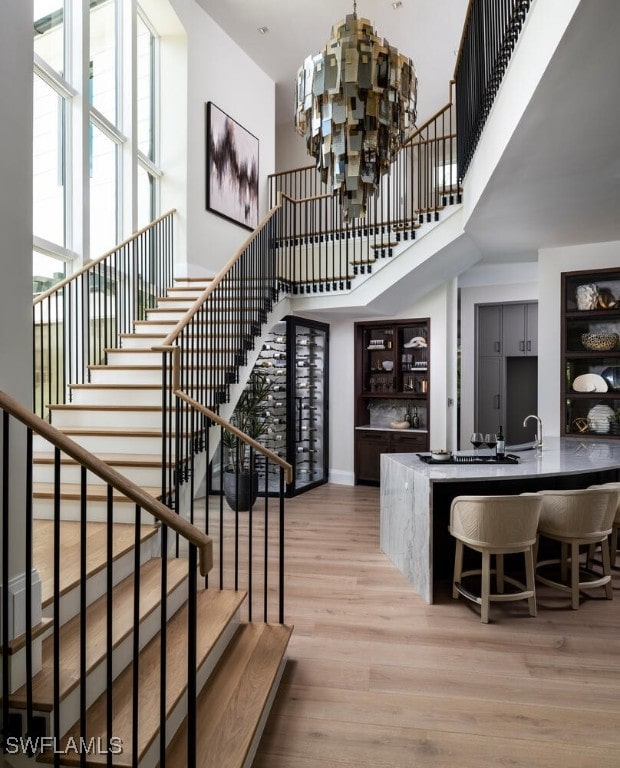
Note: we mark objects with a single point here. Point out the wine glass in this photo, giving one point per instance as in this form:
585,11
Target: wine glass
491,441
476,440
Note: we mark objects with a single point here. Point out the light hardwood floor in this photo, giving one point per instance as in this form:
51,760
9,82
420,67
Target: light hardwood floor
378,679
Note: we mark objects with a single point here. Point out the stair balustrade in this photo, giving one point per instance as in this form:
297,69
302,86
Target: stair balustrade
324,251
98,638
490,33
76,320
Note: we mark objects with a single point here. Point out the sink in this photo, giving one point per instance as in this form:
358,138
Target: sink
520,447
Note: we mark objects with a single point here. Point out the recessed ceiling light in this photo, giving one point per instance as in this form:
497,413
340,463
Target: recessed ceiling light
263,30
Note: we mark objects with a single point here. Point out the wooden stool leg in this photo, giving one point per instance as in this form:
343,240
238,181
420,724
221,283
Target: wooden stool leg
614,545
607,568
458,567
563,561
590,556
499,573
485,587
529,580
574,574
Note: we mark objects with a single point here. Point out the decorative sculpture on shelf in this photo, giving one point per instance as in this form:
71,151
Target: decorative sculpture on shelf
356,108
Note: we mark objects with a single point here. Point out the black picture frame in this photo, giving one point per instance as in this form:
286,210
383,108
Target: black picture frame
232,169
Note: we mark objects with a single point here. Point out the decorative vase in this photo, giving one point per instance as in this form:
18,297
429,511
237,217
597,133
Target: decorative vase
240,490
600,418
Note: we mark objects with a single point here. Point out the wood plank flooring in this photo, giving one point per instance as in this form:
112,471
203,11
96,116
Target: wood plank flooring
378,679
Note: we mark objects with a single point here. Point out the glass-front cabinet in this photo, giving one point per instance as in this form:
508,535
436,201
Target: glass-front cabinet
295,357
392,391
591,353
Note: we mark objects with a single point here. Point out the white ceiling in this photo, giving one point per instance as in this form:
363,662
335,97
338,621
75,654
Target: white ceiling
427,31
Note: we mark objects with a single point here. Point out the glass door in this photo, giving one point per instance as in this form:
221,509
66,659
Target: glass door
307,438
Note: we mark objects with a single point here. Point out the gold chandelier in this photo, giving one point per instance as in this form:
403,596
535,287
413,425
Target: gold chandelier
356,107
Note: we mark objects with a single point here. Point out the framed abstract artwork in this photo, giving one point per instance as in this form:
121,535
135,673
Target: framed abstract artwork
232,169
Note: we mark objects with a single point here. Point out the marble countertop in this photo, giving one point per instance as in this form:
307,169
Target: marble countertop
558,456
391,429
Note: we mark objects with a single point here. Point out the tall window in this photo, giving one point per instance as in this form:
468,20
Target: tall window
83,197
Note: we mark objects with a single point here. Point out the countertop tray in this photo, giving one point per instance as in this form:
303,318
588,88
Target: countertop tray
468,459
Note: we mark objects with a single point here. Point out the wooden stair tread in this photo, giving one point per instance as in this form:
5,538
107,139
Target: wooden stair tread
96,623
113,459
215,611
124,431
104,407
73,492
103,385
96,547
230,706
193,280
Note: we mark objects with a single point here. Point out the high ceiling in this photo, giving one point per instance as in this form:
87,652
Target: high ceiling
428,31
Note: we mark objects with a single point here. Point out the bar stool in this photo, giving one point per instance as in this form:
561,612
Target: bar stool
495,525
613,539
574,518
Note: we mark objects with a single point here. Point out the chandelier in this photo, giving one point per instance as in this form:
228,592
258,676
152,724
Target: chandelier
356,107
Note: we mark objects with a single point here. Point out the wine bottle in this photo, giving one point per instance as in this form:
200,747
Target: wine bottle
500,447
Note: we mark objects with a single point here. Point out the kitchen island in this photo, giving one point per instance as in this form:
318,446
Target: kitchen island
416,497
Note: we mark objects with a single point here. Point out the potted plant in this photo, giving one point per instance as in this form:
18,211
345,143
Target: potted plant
240,483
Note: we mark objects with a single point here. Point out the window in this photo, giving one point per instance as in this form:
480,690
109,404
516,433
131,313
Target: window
84,198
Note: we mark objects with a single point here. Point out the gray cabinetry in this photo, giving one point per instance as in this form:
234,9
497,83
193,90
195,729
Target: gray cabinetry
506,367
519,329
490,330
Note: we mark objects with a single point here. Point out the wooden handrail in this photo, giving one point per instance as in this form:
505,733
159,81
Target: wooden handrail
463,33
149,503
50,291
187,317
178,392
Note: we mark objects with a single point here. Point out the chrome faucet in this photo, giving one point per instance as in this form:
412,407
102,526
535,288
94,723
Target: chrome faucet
539,440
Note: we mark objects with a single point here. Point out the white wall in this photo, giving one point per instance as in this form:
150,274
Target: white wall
16,240
436,305
291,149
489,284
551,263
219,71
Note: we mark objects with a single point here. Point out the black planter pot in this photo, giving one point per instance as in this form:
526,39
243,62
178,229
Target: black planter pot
240,490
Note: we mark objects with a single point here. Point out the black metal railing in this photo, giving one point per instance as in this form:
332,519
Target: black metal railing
238,509
491,30
325,252
72,694
75,321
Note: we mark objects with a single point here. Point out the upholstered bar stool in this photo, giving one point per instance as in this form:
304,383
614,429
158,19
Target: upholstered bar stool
495,525
613,539
575,518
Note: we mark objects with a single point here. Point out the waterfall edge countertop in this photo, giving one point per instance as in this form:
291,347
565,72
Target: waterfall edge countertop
415,496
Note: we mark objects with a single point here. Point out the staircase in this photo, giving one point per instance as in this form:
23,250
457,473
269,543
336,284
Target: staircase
120,595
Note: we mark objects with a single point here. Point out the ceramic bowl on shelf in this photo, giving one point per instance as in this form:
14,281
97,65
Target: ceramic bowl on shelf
387,365
599,342
590,382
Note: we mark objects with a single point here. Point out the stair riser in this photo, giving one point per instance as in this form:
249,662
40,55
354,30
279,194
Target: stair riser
126,376
97,583
122,658
119,444
175,302
97,512
149,477
180,293
141,341
137,358
80,417
113,396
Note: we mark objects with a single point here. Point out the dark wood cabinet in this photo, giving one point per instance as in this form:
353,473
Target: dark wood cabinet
590,374
392,381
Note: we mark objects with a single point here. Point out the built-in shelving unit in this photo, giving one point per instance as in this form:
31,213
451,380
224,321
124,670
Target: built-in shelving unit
392,384
590,305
